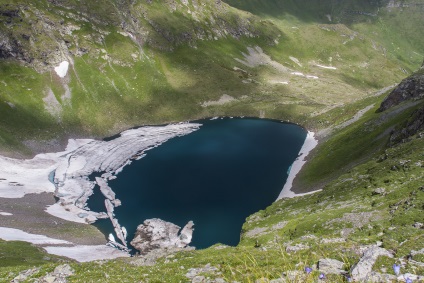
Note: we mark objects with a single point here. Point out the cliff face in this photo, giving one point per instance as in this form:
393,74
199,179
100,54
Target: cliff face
410,88
414,125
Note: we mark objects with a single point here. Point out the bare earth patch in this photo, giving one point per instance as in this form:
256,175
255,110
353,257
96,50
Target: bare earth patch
225,98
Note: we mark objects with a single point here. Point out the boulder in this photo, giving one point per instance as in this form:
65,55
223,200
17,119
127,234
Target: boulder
362,270
63,270
296,248
158,234
330,266
381,277
379,191
194,272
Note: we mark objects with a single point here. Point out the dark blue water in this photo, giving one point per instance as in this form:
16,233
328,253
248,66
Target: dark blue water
216,176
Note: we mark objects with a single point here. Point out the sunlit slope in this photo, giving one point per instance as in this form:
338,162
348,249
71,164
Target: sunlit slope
134,63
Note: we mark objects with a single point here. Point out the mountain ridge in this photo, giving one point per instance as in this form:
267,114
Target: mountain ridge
135,63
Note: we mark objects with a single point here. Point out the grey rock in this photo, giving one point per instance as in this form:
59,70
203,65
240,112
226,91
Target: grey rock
379,191
413,277
414,125
330,266
413,252
333,240
362,270
193,272
186,233
64,270
198,279
418,225
296,248
158,234
24,275
218,280
410,88
150,258
59,275
48,279
381,277
294,276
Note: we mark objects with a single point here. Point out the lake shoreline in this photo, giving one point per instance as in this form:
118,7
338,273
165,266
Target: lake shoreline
70,171
309,144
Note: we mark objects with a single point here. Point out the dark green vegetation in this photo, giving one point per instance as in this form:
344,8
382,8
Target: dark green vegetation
169,68
23,254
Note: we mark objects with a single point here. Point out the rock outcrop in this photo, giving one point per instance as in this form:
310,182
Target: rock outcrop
411,88
414,124
362,271
22,27
330,266
59,275
156,234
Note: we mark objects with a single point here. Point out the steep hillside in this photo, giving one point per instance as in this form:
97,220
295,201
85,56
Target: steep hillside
148,62
122,69
94,68
347,145
357,227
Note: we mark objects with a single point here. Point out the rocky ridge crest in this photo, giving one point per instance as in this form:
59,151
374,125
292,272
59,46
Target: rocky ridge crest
41,37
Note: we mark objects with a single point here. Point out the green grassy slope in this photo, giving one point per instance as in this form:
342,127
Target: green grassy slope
135,63
334,223
167,69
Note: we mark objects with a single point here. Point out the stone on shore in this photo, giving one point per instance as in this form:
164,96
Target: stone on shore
156,234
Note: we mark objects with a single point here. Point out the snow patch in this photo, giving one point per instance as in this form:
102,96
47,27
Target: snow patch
294,59
279,82
87,253
326,67
70,213
309,144
62,69
79,253
305,76
73,166
11,234
311,77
